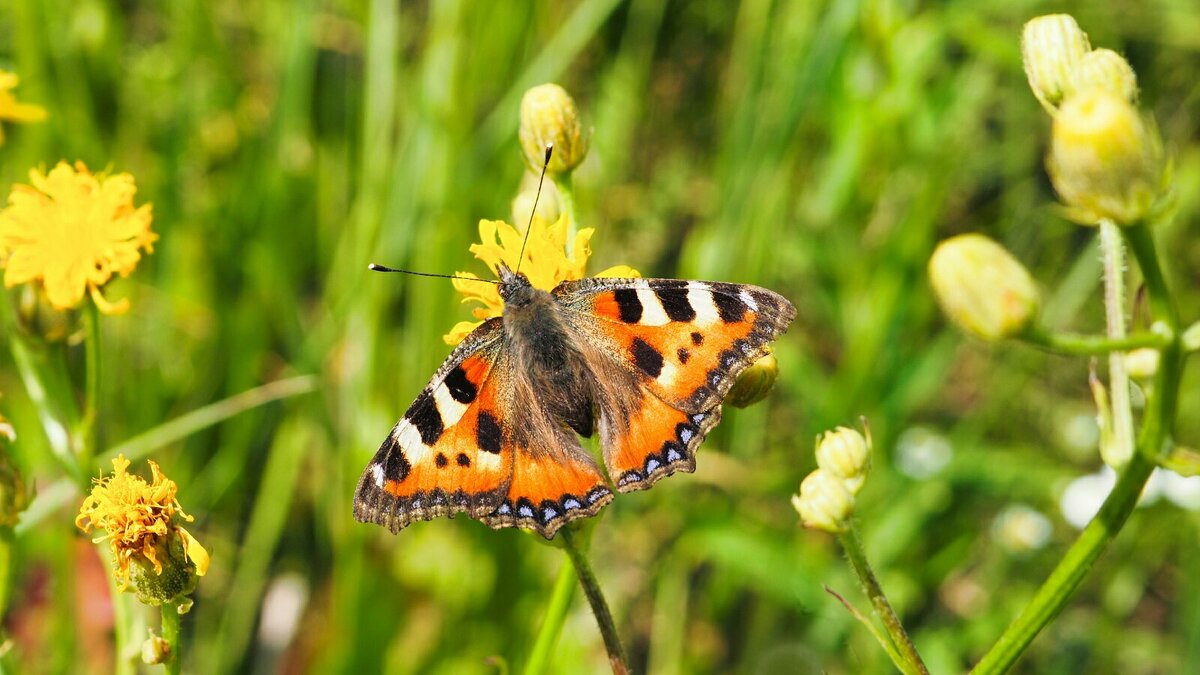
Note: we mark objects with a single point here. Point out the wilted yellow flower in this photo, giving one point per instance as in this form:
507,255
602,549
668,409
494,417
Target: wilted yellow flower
138,519
1104,161
549,116
982,287
10,109
71,231
1051,46
546,263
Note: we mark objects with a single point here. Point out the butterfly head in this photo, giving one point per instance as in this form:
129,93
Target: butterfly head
515,289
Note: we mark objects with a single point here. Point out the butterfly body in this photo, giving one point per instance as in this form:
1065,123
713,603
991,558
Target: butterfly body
644,363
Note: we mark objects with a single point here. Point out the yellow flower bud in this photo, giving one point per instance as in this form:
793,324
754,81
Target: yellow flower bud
1142,364
1104,161
549,116
754,383
824,502
548,208
845,454
1051,46
981,287
1107,70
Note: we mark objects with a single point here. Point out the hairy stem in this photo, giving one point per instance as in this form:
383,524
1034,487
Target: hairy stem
171,634
1157,421
595,597
909,661
87,427
1113,252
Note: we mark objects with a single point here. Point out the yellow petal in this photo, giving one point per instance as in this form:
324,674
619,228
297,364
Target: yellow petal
620,272
195,552
460,331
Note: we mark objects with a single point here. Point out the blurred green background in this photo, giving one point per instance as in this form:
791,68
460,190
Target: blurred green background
817,148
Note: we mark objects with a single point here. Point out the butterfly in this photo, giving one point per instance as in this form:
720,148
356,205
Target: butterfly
643,363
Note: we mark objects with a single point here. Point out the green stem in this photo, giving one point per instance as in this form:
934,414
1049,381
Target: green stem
1157,421
1092,345
6,557
556,615
591,588
87,426
171,634
1113,253
910,661
1066,577
565,185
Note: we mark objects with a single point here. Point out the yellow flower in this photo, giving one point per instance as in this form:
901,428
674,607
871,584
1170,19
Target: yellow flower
138,520
10,109
71,231
546,263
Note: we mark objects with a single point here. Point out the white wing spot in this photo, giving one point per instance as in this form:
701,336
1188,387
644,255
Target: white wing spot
653,313
749,300
377,472
701,300
450,410
415,450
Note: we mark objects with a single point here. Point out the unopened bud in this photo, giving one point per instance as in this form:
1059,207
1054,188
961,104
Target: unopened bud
754,383
1107,70
155,650
547,205
824,502
1051,47
549,117
845,454
1142,364
1104,161
982,287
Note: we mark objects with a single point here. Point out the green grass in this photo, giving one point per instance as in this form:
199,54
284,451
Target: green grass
818,149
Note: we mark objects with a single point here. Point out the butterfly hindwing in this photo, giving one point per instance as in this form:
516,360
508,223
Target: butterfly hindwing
445,455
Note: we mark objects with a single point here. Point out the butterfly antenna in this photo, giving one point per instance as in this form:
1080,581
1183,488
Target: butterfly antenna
375,267
529,226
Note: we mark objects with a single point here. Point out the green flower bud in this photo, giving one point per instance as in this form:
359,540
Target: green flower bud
549,117
1107,70
981,287
754,383
1104,161
1051,46
824,502
845,454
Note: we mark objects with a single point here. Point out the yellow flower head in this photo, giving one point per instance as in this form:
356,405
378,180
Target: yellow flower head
10,109
71,230
547,262
137,518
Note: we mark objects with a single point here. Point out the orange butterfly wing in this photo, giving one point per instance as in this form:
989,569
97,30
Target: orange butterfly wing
685,343
475,442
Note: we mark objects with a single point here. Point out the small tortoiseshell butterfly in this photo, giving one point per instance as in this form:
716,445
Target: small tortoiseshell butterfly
643,362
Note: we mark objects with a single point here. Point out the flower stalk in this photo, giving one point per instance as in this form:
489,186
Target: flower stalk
905,657
171,634
595,596
1159,417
